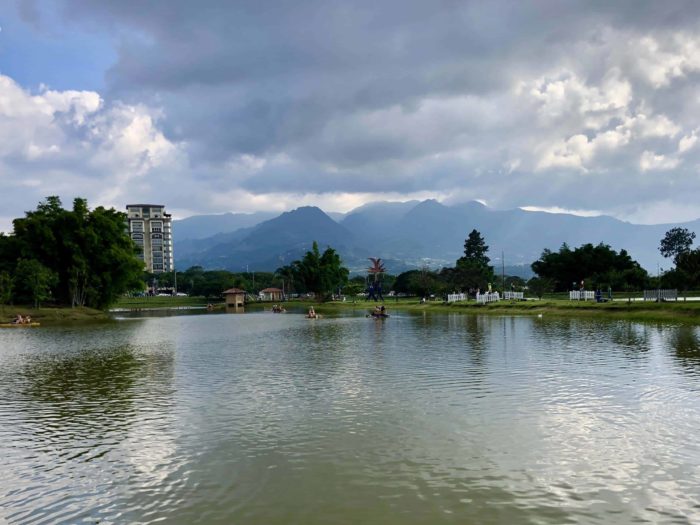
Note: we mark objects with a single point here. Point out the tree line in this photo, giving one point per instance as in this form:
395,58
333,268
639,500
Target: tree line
83,257
595,267
320,273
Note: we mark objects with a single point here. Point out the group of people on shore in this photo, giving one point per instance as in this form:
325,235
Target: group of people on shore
22,320
278,309
374,291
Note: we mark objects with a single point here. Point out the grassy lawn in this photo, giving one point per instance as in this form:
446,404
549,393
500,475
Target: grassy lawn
163,302
643,311
619,295
52,315
651,311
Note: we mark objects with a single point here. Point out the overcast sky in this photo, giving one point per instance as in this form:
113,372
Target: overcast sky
214,106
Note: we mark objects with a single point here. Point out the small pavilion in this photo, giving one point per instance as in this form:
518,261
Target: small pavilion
235,299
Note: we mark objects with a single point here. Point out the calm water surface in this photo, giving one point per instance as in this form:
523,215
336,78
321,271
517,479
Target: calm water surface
275,419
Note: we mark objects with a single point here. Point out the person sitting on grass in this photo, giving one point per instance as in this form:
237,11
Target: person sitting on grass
18,319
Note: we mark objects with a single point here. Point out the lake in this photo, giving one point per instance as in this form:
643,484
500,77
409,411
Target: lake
418,419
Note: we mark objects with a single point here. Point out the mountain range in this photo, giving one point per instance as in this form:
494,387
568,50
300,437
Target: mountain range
405,235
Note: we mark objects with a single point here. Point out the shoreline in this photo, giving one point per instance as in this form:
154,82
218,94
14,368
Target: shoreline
687,312
680,311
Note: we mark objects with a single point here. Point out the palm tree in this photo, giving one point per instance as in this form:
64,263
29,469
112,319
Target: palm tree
376,268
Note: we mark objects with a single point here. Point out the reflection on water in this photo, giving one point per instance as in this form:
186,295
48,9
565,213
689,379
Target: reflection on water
263,418
685,340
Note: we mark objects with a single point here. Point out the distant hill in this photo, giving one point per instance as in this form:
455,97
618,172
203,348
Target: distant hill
435,232
275,242
203,226
413,234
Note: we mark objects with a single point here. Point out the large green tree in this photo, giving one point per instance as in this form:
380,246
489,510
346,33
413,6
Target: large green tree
89,252
540,286
472,270
423,282
677,241
598,266
7,285
33,281
320,273
677,244
475,249
686,274
355,285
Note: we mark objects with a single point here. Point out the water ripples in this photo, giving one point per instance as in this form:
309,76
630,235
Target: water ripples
419,419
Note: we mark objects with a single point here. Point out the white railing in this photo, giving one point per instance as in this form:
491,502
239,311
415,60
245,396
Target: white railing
483,298
581,295
454,297
660,295
513,296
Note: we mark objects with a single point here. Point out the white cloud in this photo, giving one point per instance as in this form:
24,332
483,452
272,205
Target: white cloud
578,152
565,96
651,161
657,212
687,142
572,153
654,126
125,142
611,127
71,142
557,209
663,60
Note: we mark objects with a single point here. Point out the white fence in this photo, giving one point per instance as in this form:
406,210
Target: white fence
483,298
660,295
581,295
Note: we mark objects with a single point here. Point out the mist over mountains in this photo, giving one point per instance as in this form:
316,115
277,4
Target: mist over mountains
405,234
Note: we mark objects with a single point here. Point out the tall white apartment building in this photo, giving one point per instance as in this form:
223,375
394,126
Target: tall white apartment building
151,229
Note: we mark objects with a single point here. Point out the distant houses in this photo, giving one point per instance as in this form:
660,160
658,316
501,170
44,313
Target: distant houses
271,294
235,297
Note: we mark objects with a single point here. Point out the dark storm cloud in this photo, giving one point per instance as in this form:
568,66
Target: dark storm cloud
255,76
516,102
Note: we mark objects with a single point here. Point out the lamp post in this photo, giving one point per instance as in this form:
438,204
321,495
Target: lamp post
503,271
